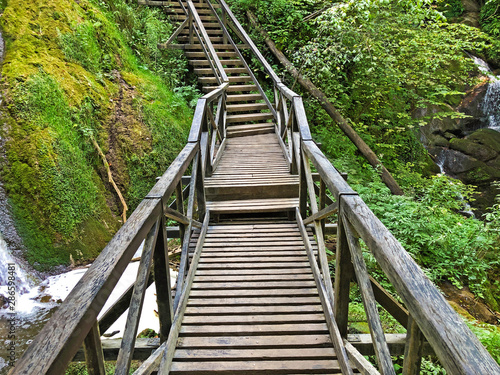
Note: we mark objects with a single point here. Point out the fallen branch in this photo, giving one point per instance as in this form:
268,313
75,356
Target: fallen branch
110,178
331,110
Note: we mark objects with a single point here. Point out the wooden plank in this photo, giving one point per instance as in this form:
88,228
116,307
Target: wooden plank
255,284
278,367
253,319
162,282
249,266
252,301
245,278
255,354
278,341
413,349
257,309
325,212
135,308
241,272
254,329
253,293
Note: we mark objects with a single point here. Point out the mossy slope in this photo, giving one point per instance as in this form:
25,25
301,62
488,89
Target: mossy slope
70,74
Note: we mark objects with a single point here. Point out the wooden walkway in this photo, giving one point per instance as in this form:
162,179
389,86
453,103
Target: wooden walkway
254,292
254,307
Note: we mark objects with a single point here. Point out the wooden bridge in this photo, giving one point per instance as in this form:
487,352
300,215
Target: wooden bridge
254,294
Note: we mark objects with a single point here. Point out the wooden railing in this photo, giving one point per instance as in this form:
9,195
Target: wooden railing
426,314
75,321
322,195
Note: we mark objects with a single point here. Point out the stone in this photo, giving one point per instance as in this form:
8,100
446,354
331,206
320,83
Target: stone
471,148
472,105
487,137
436,126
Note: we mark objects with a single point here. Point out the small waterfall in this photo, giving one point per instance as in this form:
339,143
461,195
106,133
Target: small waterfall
491,101
9,268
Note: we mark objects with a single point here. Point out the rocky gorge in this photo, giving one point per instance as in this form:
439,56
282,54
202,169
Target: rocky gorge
464,141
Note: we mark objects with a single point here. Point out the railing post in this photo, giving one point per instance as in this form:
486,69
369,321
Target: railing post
179,203
224,22
344,273
94,356
413,348
191,31
302,186
162,282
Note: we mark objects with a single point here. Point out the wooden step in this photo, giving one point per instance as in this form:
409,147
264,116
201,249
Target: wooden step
253,205
185,32
248,189
243,98
213,39
251,129
233,88
232,79
231,108
195,55
206,71
247,117
231,62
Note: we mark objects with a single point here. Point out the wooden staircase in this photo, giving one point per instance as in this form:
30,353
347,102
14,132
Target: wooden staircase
254,293
247,113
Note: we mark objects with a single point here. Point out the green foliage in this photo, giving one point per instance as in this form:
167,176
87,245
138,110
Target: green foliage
443,242
379,60
452,8
489,335
65,65
490,17
143,29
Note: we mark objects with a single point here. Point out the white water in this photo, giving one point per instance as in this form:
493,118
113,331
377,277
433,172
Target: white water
491,101
35,303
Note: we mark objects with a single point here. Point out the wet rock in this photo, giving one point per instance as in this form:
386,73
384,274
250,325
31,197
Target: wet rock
45,299
438,124
4,302
471,148
472,105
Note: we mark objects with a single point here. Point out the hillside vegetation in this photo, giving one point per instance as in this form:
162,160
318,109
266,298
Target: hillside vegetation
77,71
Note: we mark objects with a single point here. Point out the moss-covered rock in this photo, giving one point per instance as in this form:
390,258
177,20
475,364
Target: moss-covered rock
69,74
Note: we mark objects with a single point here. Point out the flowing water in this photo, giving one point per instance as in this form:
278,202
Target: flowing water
491,101
33,303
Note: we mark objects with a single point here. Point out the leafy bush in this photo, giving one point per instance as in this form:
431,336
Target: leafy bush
490,17
446,244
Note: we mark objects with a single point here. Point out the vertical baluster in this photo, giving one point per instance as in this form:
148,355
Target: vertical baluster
191,30
162,282
322,201
94,356
224,22
344,273
179,205
413,348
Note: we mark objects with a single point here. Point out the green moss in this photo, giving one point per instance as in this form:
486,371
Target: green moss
67,66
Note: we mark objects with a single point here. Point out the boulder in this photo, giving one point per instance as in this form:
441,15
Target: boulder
487,137
471,148
472,105
438,125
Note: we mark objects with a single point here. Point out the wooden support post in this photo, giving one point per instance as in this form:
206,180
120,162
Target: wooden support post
413,349
302,188
382,353
322,201
163,283
179,201
191,31
94,356
344,273
135,309
224,22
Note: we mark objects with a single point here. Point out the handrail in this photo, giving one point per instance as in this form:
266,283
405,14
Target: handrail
457,348
57,343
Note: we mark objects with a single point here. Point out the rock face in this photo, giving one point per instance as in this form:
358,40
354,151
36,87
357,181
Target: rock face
474,159
465,148
471,13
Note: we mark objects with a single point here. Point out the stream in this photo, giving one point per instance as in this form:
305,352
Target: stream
34,302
